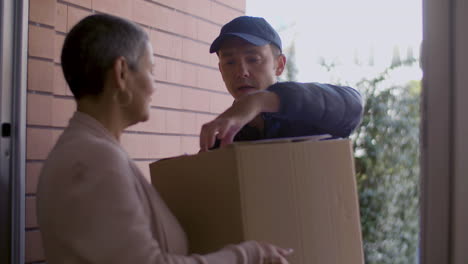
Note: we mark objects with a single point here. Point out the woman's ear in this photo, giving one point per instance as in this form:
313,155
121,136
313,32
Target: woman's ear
280,64
120,78
120,72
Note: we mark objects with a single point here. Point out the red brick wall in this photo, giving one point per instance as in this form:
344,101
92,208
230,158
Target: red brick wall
189,92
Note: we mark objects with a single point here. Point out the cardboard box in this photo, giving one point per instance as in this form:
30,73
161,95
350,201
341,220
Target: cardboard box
298,194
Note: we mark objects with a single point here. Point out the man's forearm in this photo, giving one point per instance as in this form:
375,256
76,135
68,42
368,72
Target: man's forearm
267,101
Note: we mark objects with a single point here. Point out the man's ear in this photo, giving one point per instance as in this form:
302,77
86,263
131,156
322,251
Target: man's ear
280,64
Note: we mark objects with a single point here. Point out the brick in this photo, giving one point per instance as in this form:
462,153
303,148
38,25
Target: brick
199,8
190,124
62,111
203,119
41,42
174,71
135,145
190,145
222,14
82,3
39,109
189,74
164,18
195,52
195,100
42,11
144,12
174,21
207,32
61,17
210,79
160,69
173,122
33,169
220,102
167,96
166,45
30,206
39,142
237,4
156,122
153,149
153,143
190,27
169,146
60,86
40,75
148,145
34,250
122,8
59,39
177,4
74,16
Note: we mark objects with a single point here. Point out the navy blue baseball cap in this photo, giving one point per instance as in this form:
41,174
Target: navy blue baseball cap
254,30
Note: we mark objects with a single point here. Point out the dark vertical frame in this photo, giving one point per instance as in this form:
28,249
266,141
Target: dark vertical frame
444,148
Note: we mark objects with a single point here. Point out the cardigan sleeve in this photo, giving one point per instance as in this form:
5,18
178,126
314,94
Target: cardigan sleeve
98,218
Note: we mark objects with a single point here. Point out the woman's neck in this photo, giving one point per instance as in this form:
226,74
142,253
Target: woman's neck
109,115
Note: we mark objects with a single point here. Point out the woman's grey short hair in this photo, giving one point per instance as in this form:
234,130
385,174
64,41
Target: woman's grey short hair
91,48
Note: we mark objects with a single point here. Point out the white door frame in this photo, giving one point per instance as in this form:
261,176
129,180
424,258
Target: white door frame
13,88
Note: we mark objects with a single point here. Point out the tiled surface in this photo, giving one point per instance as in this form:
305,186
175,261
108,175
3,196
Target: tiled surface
33,248
74,15
40,75
42,11
41,42
83,3
61,15
32,175
122,8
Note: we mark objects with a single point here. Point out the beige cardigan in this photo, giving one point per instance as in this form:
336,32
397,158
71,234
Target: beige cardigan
95,206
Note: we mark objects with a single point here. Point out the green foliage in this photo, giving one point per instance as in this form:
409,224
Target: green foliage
290,69
387,169
386,147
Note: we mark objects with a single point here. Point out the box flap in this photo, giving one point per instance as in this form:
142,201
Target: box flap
284,140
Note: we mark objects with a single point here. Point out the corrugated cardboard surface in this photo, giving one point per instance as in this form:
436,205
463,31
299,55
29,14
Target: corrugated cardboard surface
294,194
202,191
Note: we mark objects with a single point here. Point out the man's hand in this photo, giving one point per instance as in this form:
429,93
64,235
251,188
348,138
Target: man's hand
272,254
231,121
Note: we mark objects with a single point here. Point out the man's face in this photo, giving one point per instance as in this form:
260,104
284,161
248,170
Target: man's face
246,68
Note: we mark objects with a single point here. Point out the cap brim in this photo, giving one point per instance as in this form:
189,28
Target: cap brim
254,40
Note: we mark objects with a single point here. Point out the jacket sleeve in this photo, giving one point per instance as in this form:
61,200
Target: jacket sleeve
331,108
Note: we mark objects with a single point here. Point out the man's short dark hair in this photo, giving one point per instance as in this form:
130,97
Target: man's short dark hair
91,48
